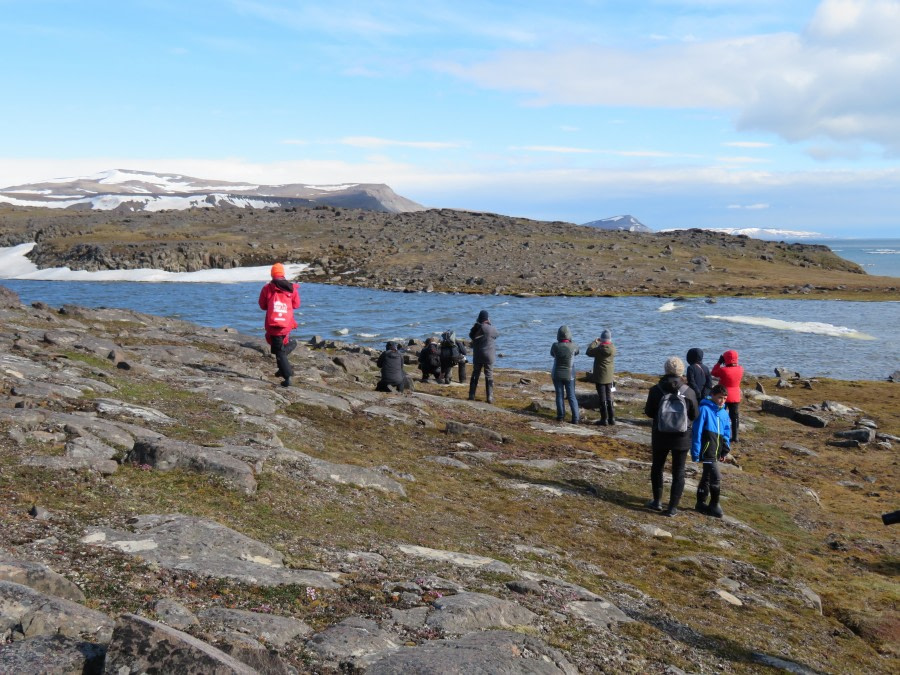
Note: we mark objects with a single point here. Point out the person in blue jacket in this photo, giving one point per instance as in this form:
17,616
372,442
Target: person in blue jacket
711,436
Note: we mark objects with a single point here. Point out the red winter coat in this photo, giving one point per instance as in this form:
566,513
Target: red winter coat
730,375
279,305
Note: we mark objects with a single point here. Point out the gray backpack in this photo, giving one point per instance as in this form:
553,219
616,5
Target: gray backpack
672,415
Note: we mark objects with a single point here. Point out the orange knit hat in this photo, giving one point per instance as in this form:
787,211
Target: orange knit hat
278,271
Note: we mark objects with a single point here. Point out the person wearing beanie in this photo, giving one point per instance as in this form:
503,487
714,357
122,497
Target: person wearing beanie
698,377
563,352
278,299
669,395
730,375
604,353
484,352
392,375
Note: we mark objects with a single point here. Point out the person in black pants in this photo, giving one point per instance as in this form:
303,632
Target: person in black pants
663,442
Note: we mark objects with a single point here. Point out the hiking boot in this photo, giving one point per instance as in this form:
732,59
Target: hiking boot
671,511
714,509
489,386
654,505
287,382
701,500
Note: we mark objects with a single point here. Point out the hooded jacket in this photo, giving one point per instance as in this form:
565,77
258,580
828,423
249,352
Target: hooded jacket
698,377
662,440
483,336
604,360
391,363
730,375
710,433
279,298
563,352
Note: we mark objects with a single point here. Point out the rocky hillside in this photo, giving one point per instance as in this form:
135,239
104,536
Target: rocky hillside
441,250
168,508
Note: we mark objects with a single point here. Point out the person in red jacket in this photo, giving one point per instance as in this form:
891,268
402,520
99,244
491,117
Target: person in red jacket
730,373
278,299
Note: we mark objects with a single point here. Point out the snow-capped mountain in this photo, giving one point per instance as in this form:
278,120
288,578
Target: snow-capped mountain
627,223
771,234
129,190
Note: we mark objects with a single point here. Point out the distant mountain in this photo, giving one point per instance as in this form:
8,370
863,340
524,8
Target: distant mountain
627,223
129,190
765,233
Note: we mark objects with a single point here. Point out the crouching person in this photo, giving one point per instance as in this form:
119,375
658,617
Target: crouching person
711,439
393,377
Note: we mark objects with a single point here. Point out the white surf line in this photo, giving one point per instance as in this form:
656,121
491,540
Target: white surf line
14,265
668,307
815,327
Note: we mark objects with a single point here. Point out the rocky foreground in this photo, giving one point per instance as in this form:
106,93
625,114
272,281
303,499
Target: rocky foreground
441,250
167,508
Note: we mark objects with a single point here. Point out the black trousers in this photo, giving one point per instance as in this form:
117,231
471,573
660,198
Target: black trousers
281,356
711,479
735,416
679,459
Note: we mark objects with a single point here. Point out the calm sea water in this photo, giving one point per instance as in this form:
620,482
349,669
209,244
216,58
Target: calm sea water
849,340
877,256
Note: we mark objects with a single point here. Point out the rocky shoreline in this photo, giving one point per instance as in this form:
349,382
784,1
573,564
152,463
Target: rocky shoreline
169,508
442,250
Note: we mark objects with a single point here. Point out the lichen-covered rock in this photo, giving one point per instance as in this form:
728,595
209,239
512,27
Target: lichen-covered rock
29,613
55,654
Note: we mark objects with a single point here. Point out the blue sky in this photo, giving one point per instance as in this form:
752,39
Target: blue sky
707,113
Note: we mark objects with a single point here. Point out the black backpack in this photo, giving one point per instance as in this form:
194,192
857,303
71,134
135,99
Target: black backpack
672,414
449,348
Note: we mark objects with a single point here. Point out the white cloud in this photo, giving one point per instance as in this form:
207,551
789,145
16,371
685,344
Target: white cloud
839,79
373,142
551,148
748,207
747,144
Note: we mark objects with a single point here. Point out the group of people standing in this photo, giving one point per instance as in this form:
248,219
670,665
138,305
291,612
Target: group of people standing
688,411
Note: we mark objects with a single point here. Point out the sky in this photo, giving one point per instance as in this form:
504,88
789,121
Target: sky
682,113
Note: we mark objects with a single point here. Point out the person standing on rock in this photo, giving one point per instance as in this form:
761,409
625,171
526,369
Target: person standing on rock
563,352
709,444
484,352
278,299
393,376
604,353
730,375
698,377
673,406
453,353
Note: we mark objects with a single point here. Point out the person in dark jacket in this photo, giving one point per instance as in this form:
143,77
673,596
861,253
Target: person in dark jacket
662,443
430,360
698,377
453,353
563,352
604,353
730,374
278,299
710,444
392,375
483,336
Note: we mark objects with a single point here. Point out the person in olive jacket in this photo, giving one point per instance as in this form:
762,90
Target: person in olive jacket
563,352
662,443
483,336
604,353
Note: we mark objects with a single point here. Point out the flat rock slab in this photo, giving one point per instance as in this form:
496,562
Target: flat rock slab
270,628
460,429
108,406
140,645
448,461
564,429
248,399
496,652
52,654
25,610
542,464
454,558
88,446
107,467
319,399
465,612
45,390
207,548
166,454
351,642
347,474
39,577
598,613
174,614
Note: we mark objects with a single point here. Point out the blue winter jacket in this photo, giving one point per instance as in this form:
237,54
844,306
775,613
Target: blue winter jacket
710,433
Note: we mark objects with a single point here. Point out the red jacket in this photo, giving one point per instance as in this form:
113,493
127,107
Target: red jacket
279,306
730,375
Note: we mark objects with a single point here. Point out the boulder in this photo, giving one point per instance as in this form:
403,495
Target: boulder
270,628
9,298
165,454
39,577
454,558
598,613
863,435
174,614
140,645
777,408
465,612
344,474
461,429
344,645
28,612
56,654
810,419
